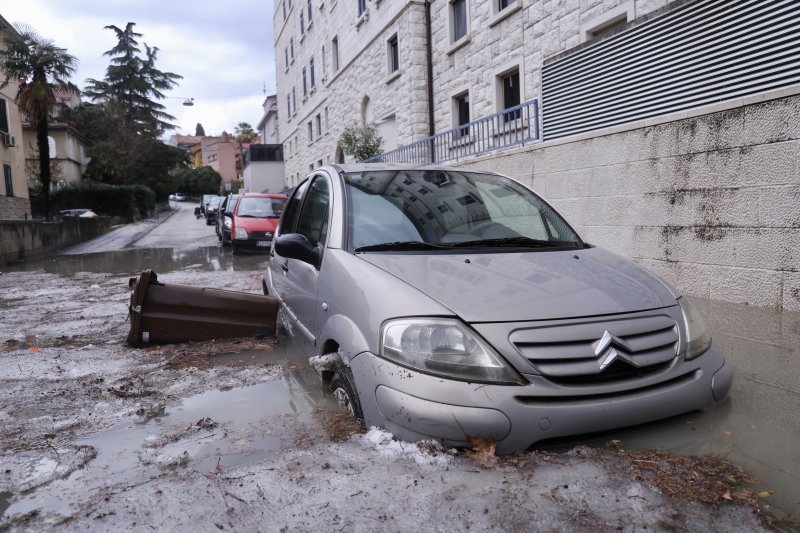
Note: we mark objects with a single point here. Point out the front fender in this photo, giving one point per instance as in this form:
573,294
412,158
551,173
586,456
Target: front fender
342,330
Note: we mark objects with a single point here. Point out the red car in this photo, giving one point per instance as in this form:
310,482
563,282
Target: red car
255,218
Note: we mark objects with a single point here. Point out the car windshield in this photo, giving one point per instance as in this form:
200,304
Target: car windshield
435,209
231,204
260,207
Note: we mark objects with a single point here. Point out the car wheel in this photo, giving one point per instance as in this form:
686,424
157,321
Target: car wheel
343,389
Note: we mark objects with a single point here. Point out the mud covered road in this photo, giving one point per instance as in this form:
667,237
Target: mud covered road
239,434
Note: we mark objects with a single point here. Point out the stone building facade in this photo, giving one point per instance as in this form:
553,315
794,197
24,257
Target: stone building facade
345,57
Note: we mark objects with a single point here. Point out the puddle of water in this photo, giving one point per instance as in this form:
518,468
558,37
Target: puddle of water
133,261
253,422
5,497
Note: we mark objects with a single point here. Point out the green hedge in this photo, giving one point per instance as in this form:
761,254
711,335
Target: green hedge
123,201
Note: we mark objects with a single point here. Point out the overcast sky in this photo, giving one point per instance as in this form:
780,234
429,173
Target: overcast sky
222,48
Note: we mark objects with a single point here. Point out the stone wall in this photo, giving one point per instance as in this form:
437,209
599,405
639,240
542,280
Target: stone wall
711,202
15,207
29,239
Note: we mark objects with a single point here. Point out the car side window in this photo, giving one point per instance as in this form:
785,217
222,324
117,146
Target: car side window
292,211
313,220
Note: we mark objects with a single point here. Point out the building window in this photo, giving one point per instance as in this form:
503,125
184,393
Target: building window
288,106
310,132
326,120
294,101
458,20
286,54
393,53
335,54
309,12
291,48
511,94
461,113
3,116
9,183
502,4
362,6
311,71
305,85
283,4
319,125
324,64
607,23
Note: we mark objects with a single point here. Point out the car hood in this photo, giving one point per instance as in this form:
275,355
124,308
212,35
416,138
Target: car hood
510,287
256,224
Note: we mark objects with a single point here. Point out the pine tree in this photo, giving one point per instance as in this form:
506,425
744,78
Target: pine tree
134,84
199,131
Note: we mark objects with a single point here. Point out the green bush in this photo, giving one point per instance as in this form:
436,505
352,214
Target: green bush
122,201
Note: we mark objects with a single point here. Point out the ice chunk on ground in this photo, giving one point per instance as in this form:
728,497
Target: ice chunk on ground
427,452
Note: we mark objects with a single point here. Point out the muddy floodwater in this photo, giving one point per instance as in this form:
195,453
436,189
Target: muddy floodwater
134,260
212,409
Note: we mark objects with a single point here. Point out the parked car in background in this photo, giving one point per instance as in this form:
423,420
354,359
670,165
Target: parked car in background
211,210
225,218
204,201
459,304
180,197
254,220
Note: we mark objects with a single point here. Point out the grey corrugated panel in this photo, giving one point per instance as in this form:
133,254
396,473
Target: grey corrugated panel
760,38
703,52
669,108
637,43
697,78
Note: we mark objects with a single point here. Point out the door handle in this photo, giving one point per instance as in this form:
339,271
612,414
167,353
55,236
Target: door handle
285,266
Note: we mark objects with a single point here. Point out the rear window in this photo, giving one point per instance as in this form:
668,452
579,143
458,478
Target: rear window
260,207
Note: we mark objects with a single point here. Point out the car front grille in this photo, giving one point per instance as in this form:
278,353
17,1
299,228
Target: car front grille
599,351
260,235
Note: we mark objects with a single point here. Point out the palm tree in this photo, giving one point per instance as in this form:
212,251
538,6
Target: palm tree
42,68
244,134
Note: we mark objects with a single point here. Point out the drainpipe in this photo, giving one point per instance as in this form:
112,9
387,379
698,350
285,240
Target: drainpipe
429,54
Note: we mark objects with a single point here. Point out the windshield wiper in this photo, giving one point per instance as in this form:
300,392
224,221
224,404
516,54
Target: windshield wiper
401,246
514,242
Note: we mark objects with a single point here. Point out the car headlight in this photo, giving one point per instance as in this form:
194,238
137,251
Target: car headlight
227,223
444,347
698,339
240,233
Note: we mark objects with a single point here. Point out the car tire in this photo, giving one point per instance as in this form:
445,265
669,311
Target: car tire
343,389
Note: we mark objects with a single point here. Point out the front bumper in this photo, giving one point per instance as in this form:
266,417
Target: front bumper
255,244
414,406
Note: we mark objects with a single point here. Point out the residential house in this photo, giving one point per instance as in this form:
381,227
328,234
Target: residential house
14,199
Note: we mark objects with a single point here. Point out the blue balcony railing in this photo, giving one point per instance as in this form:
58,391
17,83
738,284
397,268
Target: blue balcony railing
510,127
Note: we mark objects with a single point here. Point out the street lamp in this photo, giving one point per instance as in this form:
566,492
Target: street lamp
188,102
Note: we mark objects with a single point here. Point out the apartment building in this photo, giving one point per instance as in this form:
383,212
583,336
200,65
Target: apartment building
14,199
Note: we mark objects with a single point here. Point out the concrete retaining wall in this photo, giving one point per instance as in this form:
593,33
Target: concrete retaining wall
28,239
708,200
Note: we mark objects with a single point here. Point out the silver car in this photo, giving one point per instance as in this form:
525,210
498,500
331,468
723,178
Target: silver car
459,304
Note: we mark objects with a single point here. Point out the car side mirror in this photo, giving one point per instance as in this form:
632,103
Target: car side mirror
297,246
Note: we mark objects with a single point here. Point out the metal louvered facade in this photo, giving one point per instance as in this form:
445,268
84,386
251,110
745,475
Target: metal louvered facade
701,52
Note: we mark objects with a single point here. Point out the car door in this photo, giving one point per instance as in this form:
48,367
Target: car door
296,281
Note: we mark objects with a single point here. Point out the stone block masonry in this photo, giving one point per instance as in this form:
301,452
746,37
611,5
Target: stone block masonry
710,202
